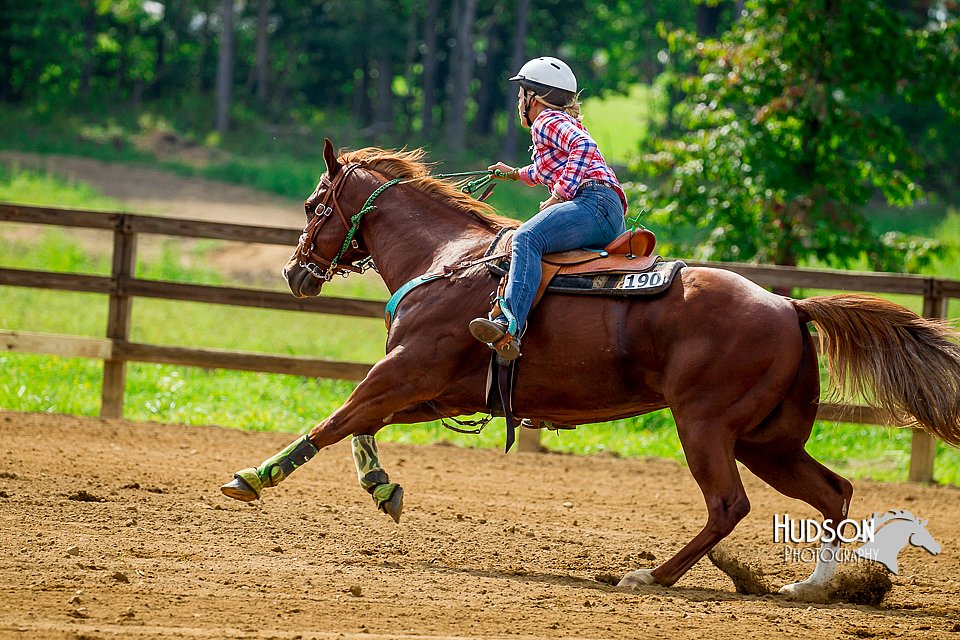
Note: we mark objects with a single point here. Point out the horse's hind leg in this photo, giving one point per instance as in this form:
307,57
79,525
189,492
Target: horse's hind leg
774,452
713,467
797,475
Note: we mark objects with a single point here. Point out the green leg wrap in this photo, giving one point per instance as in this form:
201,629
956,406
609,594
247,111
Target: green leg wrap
387,495
275,469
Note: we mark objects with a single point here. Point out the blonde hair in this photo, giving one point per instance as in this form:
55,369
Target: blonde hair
572,108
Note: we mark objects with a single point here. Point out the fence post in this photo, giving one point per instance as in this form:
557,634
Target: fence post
118,318
923,447
528,440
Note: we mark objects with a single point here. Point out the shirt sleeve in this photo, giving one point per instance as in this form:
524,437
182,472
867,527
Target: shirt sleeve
528,175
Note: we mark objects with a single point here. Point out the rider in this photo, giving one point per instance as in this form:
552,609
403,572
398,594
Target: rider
586,206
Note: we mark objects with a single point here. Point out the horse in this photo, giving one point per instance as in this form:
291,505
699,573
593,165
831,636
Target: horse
893,530
735,363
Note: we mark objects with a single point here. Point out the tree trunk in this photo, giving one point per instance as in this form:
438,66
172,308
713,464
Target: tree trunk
160,61
383,86
516,61
262,63
708,19
429,67
206,37
488,82
409,57
462,73
225,67
90,33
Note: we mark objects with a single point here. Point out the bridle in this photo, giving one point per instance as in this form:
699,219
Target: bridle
307,254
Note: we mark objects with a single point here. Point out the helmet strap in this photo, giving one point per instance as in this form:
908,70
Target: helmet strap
529,97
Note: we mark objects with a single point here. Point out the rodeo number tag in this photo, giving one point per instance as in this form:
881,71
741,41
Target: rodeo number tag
646,280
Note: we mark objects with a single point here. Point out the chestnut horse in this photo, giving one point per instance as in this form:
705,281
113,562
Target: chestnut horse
735,363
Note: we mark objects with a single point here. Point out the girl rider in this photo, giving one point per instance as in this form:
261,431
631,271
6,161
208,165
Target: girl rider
586,206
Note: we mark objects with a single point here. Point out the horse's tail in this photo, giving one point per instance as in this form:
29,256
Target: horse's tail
911,364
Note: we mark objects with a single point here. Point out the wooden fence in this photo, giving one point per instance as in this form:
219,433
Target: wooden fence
122,285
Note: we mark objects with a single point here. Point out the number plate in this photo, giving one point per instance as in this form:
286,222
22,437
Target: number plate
647,280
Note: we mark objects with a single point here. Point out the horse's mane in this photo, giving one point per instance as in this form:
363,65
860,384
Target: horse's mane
409,164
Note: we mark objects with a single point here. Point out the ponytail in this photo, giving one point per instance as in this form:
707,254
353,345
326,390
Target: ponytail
572,108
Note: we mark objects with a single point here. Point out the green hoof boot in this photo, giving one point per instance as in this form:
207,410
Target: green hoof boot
245,486
389,499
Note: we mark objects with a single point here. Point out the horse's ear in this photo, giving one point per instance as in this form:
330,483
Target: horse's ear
330,158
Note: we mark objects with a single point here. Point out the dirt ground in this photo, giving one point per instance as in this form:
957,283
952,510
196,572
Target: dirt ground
150,191
114,529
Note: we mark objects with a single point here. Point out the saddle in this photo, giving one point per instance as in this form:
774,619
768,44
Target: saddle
625,267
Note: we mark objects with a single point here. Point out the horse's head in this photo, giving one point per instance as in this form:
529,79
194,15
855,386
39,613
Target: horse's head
923,539
326,248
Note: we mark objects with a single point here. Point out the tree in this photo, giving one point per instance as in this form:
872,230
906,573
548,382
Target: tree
225,67
429,76
517,58
782,140
262,61
462,74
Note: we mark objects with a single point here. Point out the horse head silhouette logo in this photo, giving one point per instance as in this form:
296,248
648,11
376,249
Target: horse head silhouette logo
893,530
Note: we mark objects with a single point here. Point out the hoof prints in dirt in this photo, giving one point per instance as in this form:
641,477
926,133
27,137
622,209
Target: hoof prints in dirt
866,583
747,578
85,496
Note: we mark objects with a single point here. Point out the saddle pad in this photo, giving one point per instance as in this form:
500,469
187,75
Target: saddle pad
645,283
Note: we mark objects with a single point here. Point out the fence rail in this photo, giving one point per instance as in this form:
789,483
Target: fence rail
121,286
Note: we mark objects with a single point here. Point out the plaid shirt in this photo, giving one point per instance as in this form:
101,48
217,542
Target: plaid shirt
564,155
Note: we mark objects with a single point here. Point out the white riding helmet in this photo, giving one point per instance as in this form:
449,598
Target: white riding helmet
550,78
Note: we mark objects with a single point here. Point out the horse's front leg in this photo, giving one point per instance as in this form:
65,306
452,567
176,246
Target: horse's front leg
386,392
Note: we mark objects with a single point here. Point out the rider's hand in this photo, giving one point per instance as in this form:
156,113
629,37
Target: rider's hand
505,168
549,202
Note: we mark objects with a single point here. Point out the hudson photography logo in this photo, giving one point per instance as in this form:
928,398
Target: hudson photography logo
879,538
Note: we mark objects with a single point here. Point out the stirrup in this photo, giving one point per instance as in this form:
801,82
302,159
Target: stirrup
507,348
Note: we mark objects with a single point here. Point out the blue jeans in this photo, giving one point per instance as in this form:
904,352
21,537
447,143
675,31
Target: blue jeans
592,219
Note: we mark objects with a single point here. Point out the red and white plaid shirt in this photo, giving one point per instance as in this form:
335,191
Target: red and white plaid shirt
564,155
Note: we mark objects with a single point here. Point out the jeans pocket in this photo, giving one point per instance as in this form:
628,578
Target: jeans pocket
606,214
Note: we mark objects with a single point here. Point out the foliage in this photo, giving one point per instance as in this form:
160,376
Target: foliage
781,135
321,56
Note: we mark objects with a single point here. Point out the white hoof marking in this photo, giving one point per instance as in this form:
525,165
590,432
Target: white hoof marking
636,579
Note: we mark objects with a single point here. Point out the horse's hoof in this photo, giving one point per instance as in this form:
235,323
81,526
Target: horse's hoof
245,486
805,592
637,579
394,506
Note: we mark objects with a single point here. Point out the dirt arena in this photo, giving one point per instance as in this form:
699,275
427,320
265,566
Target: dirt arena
113,529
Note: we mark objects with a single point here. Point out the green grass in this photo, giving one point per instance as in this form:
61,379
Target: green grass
44,189
620,123
258,401
280,160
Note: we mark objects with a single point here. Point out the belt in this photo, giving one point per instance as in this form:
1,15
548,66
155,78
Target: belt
597,183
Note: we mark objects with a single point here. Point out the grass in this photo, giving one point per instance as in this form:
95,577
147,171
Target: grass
620,123
282,160
259,401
